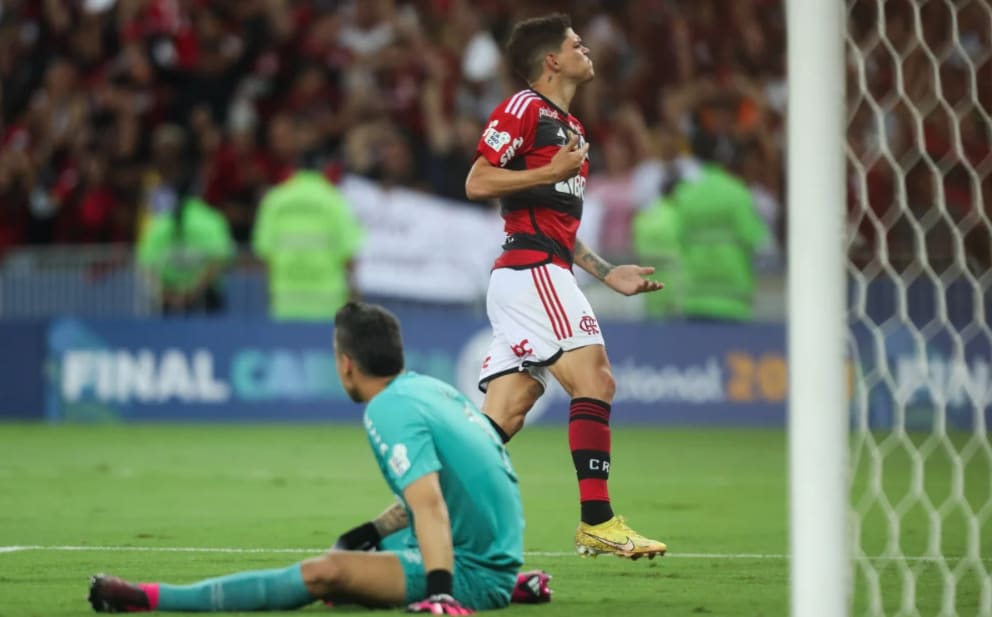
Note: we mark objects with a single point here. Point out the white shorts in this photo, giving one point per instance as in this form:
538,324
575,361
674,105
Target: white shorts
536,315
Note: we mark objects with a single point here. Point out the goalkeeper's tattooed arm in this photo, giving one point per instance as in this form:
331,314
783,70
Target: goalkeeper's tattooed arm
391,520
366,537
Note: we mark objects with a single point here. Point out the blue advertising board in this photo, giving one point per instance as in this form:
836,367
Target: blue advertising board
919,378
22,364
243,370
666,373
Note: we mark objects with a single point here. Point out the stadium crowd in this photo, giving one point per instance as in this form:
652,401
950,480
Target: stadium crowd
104,101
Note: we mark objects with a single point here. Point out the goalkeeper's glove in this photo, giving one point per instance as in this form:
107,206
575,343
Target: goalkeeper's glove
532,588
439,604
365,537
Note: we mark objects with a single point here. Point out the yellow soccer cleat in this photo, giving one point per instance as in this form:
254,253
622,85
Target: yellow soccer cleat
616,538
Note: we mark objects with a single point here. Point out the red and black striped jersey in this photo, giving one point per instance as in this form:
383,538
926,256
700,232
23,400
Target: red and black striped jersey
524,132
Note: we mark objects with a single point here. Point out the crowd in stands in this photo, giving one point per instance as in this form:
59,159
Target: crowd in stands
104,101
919,135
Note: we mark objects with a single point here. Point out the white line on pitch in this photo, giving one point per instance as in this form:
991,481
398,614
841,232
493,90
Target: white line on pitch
203,549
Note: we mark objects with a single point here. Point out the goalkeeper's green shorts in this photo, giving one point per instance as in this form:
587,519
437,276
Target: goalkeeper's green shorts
475,587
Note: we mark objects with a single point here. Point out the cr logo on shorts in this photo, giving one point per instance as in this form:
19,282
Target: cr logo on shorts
521,349
588,324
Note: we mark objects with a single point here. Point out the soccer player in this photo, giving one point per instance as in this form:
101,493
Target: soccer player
533,157
446,465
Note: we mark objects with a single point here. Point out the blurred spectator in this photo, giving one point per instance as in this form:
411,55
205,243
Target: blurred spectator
187,248
451,140
657,243
307,236
238,171
185,244
712,215
635,164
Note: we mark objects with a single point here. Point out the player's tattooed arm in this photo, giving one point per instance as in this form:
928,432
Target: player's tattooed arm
391,520
591,262
627,279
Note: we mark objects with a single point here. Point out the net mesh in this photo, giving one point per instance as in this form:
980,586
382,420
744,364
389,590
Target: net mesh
920,269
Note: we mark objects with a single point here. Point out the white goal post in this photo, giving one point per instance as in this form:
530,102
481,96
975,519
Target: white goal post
817,417
890,301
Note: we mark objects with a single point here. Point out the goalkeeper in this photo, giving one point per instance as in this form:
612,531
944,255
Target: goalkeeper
446,465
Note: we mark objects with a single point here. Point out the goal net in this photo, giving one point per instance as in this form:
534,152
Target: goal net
919,170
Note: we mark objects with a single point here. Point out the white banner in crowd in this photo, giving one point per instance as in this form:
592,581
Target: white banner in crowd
424,247
420,246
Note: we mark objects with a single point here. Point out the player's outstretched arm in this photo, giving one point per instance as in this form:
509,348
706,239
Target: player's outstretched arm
627,279
433,529
486,181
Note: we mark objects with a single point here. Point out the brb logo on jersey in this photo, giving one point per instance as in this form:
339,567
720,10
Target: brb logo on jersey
573,186
495,139
576,185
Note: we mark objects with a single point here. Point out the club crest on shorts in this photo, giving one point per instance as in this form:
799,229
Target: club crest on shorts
522,349
588,324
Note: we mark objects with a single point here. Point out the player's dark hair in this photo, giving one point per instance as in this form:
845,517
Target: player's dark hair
370,335
531,39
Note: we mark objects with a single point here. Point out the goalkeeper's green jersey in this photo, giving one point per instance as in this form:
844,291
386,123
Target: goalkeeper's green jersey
419,425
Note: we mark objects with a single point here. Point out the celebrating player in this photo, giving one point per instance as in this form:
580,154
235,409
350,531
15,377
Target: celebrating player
533,157
442,459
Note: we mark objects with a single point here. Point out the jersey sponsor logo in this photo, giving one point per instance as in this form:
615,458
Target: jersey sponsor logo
521,349
589,325
399,462
573,186
511,151
546,112
494,138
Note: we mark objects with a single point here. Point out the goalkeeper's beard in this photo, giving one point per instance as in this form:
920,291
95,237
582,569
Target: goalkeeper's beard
354,394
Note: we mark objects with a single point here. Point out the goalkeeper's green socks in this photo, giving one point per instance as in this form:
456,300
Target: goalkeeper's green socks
256,590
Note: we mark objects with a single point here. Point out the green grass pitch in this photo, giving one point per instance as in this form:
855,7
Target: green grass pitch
149,502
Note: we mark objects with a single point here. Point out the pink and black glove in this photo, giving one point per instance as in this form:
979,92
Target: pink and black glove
532,588
439,604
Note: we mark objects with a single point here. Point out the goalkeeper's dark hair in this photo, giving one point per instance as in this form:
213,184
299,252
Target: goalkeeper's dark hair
370,336
531,39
